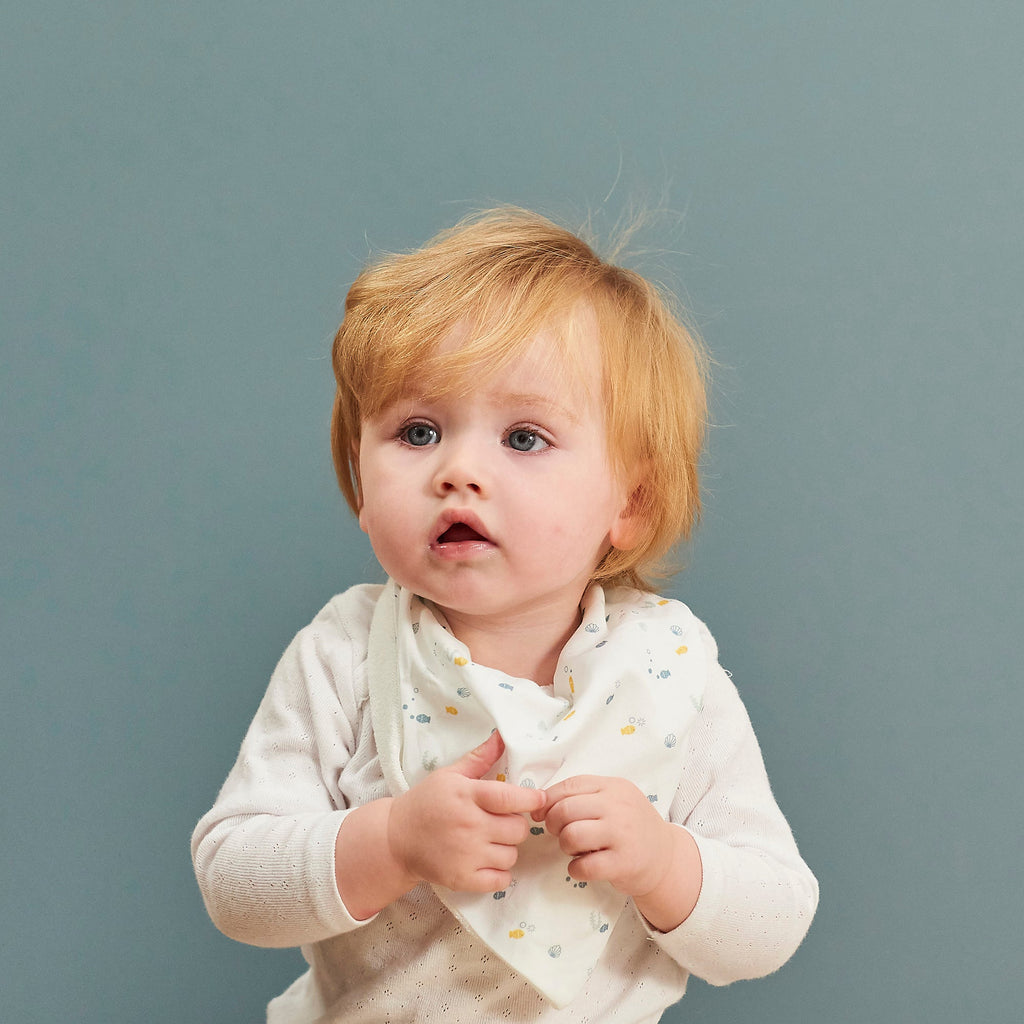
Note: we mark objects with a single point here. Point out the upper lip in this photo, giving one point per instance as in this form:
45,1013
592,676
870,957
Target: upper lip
450,516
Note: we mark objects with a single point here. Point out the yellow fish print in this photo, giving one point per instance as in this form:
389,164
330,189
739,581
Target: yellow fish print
451,710
516,933
682,650
460,661
628,730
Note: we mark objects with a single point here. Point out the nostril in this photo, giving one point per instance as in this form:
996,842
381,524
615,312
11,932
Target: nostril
454,478
447,485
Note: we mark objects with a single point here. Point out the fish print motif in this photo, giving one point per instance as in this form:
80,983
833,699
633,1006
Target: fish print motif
634,666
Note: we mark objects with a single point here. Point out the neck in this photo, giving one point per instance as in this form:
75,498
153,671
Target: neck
527,647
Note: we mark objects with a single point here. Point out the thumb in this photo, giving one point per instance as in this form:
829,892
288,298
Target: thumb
480,760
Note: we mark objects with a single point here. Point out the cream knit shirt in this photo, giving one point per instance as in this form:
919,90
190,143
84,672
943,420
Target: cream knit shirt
264,858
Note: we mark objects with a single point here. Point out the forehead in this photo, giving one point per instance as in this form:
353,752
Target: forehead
558,364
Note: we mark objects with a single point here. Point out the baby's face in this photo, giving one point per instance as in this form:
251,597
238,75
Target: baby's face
499,503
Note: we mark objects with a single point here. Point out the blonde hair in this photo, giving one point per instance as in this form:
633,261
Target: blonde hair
508,274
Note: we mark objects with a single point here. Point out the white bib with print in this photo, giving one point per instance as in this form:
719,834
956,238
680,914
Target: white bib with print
627,688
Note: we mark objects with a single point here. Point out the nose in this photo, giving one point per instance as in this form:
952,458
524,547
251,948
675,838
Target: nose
461,469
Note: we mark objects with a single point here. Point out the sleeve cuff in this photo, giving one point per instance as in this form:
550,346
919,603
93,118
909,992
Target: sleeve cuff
700,925
329,907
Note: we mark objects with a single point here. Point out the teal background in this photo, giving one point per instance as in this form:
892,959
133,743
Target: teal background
188,190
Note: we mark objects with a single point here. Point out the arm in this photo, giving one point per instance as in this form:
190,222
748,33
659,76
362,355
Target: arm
303,843
722,883
758,897
264,853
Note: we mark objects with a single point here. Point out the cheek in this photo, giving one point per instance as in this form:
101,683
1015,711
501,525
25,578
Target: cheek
588,499
388,539
378,518
375,495
373,515
576,517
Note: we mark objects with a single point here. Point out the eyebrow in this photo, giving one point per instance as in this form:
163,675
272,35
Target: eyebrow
528,400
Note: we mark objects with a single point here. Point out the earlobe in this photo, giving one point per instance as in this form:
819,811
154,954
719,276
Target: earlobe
626,530
624,533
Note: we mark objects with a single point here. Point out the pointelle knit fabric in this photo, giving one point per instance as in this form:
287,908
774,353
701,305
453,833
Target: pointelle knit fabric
264,858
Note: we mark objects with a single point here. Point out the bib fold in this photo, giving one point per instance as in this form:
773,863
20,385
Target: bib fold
627,688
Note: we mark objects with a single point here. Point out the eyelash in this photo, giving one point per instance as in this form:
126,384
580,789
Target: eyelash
533,432
406,429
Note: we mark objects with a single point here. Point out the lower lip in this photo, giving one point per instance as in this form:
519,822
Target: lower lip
462,550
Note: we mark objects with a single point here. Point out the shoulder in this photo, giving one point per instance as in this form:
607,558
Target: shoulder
350,612
345,618
331,651
654,609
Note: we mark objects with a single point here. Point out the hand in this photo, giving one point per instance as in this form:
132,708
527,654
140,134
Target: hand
610,831
458,830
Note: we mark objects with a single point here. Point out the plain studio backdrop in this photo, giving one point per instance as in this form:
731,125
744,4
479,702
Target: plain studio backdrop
187,192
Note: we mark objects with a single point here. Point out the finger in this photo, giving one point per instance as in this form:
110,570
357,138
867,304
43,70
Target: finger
582,837
507,829
596,866
495,873
574,786
501,857
587,806
504,798
488,880
480,760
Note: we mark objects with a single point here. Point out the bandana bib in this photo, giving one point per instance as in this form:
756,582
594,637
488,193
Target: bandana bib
627,688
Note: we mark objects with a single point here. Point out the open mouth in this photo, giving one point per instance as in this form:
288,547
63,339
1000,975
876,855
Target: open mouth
459,533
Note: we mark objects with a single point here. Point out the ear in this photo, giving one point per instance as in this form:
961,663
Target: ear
358,482
627,530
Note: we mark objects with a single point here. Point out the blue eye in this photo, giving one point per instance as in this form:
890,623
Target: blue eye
420,434
523,440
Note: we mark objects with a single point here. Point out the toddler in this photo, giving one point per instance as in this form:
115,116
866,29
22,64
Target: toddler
511,784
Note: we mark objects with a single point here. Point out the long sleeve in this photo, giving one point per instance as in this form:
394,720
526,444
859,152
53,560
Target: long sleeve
758,897
264,859
264,854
